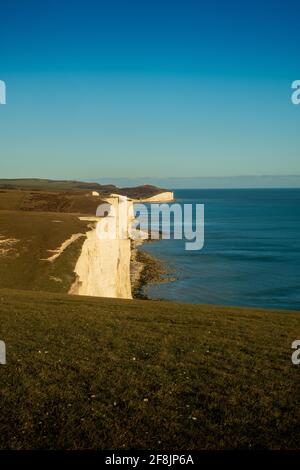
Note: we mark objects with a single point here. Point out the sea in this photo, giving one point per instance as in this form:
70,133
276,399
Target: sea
251,252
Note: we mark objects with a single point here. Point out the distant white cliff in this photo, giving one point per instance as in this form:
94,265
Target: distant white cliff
166,196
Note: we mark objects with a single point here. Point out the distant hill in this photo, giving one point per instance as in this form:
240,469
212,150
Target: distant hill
55,185
142,191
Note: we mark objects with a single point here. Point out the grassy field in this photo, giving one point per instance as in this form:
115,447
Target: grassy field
26,239
51,185
34,223
70,202
80,186
88,373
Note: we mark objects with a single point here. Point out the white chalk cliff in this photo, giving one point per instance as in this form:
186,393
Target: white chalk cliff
166,196
103,268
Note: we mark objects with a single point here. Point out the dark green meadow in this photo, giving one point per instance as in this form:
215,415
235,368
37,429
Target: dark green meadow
88,373
33,223
33,235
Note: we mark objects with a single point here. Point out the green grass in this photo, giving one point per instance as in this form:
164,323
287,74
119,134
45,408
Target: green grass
23,266
80,369
71,202
69,185
11,200
46,184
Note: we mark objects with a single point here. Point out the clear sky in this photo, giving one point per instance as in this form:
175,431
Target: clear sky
158,88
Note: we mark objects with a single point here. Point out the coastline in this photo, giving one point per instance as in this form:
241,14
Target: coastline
166,196
116,268
103,267
147,269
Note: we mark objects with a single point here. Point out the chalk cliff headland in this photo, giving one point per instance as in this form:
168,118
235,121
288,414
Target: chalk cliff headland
103,268
104,265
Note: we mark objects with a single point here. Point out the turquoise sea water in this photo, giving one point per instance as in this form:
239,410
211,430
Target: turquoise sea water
251,254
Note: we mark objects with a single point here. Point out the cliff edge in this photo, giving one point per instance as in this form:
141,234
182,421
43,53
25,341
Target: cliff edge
103,268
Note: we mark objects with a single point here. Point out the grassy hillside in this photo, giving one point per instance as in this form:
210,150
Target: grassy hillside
70,202
33,224
27,239
69,185
140,192
51,185
101,373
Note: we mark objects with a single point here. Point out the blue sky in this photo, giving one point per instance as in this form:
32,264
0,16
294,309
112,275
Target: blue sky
98,89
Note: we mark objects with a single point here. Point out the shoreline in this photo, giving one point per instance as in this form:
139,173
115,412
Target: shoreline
115,268
146,269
